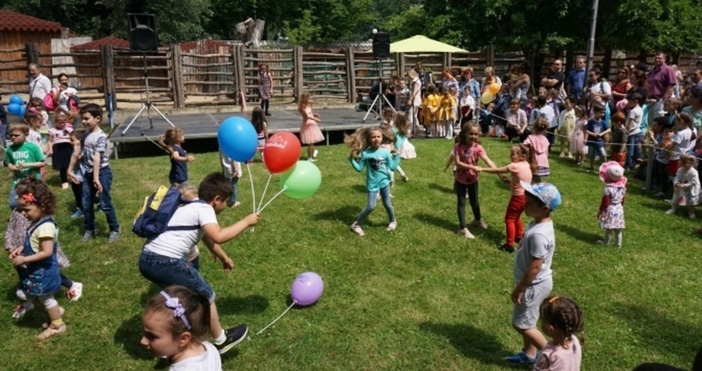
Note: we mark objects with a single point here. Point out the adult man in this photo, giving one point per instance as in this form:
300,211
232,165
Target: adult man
39,85
576,79
661,83
555,77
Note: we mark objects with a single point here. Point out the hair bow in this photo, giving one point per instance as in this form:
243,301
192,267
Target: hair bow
30,198
178,310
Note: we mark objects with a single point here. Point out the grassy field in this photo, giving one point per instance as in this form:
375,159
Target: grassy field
419,298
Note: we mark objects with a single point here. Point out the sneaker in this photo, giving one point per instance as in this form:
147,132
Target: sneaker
391,226
520,359
114,236
670,212
77,214
51,332
313,159
570,156
562,155
357,229
235,205
75,292
235,335
505,247
21,295
601,242
87,236
22,309
64,185
466,233
405,178
692,216
479,223
315,153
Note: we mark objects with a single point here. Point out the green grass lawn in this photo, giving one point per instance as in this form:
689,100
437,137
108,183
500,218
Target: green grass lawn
419,298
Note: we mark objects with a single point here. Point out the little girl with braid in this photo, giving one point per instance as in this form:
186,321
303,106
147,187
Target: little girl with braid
561,319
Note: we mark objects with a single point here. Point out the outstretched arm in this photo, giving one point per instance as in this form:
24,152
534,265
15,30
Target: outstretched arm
221,235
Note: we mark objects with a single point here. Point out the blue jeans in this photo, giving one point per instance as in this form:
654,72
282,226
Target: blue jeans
12,201
235,190
165,271
372,199
632,150
89,192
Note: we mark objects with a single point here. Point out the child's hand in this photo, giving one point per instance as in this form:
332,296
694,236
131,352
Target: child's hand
517,295
227,264
12,167
678,185
190,158
18,260
74,178
252,219
98,185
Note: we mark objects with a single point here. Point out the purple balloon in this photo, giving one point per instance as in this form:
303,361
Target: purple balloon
307,288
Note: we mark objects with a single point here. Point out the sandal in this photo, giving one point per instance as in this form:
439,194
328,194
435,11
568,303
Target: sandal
51,332
46,325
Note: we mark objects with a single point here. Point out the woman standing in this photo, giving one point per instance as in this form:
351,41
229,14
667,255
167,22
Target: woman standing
622,85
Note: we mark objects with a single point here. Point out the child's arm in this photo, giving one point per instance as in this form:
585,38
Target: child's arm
72,164
177,157
393,160
47,249
357,161
494,170
449,162
265,131
463,165
218,253
162,143
528,277
221,235
487,160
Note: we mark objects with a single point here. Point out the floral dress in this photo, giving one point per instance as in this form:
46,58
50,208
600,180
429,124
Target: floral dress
612,208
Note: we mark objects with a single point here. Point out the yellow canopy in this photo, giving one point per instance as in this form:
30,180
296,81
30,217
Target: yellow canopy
423,44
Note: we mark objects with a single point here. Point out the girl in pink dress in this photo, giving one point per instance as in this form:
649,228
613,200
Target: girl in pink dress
309,131
561,320
577,141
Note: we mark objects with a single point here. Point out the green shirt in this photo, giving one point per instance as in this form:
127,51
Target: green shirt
24,153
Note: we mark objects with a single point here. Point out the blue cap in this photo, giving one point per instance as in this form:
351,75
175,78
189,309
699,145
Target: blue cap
546,192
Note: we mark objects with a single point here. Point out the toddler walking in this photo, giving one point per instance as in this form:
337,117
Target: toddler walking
577,141
611,213
172,142
687,186
60,147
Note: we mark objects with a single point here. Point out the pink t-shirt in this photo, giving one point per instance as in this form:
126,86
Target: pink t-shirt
60,136
539,144
557,358
468,154
519,171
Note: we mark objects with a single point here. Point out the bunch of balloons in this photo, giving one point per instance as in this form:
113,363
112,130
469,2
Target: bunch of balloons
16,106
490,94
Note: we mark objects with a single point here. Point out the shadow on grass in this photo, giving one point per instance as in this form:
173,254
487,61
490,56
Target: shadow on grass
579,234
128,335
345,214
658,332
251,304
439,222
470,341
441,188
359,188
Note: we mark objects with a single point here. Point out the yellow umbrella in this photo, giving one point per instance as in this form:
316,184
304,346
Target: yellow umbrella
423,44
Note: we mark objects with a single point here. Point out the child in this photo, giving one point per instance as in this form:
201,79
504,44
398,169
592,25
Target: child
687,186
258,120
521,169
532,269
309,131
566,126
448,106
539,144
561,319
77,179
231,170
33,119
487,120
22,158
366,152
176,323
577,141
403,147
431,109
265,87
402,96
95,166
467,106
516,121
683,141
164,259
36,261
617,146
611,213
60,147
633,123
444,100
172,141
37,105
387,118
595,131
466,152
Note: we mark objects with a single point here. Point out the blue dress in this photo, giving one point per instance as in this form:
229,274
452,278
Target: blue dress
42,277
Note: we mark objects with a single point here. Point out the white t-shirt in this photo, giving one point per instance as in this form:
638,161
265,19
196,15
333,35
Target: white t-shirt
635,115
683,143
550,116
178,244
539,242
208,361
468,101
601,87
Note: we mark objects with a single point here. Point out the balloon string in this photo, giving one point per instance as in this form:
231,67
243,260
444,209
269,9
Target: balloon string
272,198
253,194
276,320
264,191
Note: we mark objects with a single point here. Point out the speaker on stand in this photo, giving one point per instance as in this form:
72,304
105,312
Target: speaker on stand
381,50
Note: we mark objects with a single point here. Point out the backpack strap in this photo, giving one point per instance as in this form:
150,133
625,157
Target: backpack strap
185,227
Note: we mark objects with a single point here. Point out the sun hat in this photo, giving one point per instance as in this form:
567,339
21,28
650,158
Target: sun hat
612,174
546,192
412,74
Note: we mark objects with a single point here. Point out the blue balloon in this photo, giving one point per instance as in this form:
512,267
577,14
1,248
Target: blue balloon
16,99
22,111
13,108
237,138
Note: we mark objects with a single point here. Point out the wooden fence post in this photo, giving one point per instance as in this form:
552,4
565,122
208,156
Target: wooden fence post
235,73
298,74
350,75
240,74
490,55
31,52
447,60
177,70
108,76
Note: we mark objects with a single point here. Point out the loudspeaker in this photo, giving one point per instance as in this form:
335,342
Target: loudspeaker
142,32
381,45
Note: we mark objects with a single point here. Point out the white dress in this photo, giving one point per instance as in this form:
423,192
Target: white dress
688,194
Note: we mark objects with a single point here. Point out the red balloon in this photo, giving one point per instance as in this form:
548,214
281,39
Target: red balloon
281,152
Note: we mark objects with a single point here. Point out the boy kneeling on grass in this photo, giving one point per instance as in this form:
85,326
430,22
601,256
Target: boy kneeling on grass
532,269
165,260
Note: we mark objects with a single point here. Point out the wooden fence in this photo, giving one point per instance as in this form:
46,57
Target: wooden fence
221,74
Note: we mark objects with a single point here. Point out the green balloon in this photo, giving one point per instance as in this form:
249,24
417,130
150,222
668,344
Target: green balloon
302,181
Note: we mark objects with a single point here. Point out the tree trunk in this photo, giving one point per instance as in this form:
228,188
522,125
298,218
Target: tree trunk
256,33
607,63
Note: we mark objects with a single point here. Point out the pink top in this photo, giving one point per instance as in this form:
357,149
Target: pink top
60,136
539,144
468,154
558,358
519,171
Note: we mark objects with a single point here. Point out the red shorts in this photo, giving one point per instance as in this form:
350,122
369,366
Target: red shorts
673,166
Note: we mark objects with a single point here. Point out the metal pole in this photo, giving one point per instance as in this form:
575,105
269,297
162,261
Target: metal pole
591,42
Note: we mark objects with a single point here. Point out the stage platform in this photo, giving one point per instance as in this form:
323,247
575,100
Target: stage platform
205,125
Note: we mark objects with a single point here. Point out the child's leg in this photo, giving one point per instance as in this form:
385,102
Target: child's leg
310,151
401,172
692,212
385,196
607,236
448,126
88,192
78,194
460,190
618,237
53,310
473,197
106,200
235,190
372,199
63,173
65,281
513,222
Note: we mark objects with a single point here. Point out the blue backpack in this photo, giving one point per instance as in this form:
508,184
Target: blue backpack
158,208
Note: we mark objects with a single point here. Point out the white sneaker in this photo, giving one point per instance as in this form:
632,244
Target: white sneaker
21,295
391,226
75,292
466,233
670,212
357,229
479,223
315,153
692,216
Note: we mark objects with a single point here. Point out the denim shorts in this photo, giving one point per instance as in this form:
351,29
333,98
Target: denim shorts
165,271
